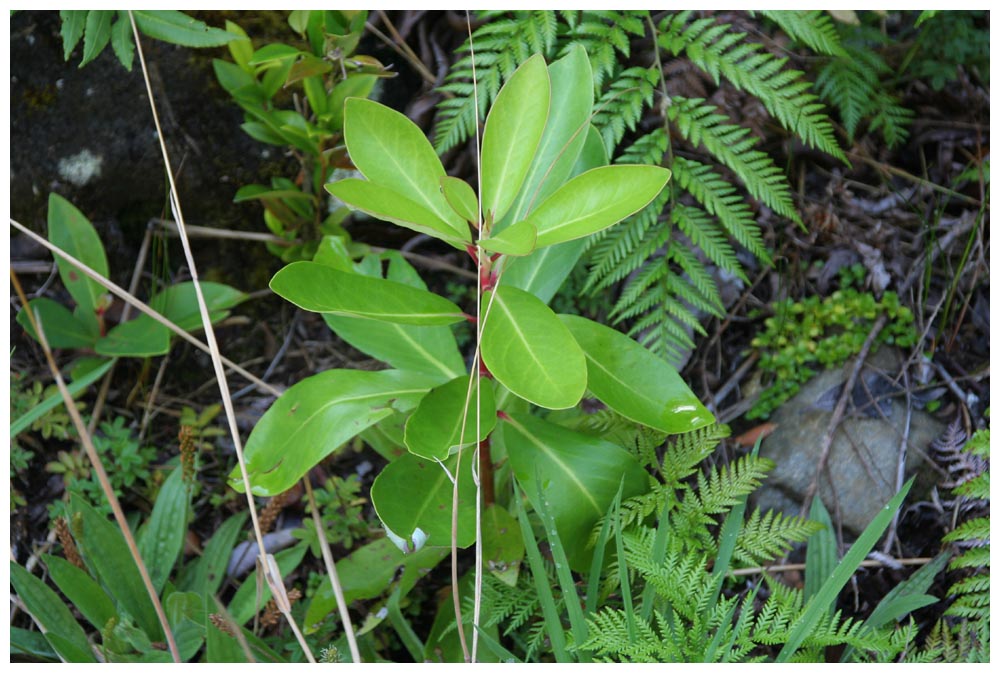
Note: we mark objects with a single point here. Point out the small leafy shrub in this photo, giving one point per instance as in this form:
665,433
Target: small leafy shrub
117,447
310,126
804,335
948,40
341,508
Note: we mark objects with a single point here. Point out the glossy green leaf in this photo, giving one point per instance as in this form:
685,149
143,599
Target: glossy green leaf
579,474
104,548
313,418
55,399
596,200
388,204
391,150
530,351
635,382
413,498
276,51
461,197
370,571
355,85
241,46
819,605
96,34
162,540
516,240
430,350
244,604
81,590
61,327
544,271
565,131
179,303
71,30
73,233
503,545
141,337
47,608
435,429
320,288
513,130
178,28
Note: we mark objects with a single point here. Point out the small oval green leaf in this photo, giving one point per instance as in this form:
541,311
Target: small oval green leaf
413,498
516,240
596,200
387,204
435,428
513,130
461,197
530,351
635,382
320,288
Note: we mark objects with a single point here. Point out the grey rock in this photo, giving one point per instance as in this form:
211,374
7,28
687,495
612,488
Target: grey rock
861,475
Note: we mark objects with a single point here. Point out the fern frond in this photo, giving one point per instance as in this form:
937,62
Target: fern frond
721,199
783,92
620,107
501,45
685,452
602,34
813,28
769,537
733,146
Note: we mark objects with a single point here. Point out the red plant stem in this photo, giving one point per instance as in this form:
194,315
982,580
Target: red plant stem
486,473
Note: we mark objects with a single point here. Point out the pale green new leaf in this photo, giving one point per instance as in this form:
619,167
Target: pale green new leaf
530,351
387,204
313,418
461,197
391,150
516,240
435,429
323,289
596,200
513,130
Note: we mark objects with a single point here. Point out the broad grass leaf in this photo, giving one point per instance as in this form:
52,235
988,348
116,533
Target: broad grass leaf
161,541
81,590
635,382
530,351
45,606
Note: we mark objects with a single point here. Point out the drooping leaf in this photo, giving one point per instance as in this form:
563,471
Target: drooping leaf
513,130
530,351
323,289
369,572
635,382
386,203
461,198
391,150
46,607
580,476
162,540
178,28
430,350
596,200
313,418
121,40
435,429
73,233
61,327
81,590
71,30
565,131
516,240
413,498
